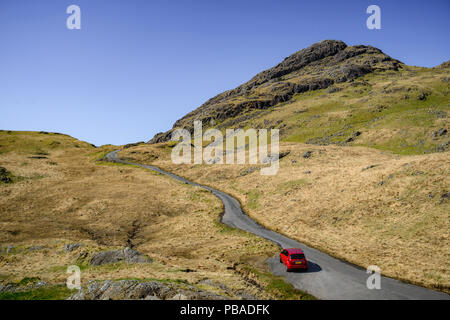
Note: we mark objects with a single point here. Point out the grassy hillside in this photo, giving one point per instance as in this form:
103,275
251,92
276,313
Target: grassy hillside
61,194
367,206
375,188
402,111
331,93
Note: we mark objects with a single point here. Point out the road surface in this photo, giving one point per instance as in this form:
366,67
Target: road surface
327,277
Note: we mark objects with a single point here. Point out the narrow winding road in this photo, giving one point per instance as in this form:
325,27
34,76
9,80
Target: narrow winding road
327,277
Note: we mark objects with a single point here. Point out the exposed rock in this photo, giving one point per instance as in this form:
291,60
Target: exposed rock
352,138
214,160
307,154
248,171
422,95
445,196
333,90
135,290
9,287
441,132
445,64
179,296
70,247
112,256
369,167
36,248
32,283
5,175
317,67
246,296
443,147
40,284
272,158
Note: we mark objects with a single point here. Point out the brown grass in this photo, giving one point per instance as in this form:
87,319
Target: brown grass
70,198
391,215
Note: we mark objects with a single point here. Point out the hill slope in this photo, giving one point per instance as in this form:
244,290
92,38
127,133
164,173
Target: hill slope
60,206
334,105
331,93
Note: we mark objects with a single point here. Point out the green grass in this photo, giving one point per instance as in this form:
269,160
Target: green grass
36,143
252,199
118,164
278,287
408,123
28,280
290,185
58,292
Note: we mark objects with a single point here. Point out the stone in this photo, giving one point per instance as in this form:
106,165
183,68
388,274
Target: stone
113,256
35,248
136,290
307,154
441,132
445,196
369,167
178,296
5,175
70,247
273,158
132,256
248,171
150,297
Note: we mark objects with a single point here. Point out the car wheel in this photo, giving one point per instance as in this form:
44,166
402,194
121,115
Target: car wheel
287,269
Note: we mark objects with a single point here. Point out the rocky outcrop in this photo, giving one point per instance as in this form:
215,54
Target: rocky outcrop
135,290
5,176
112,256
318,67
26,284
69,247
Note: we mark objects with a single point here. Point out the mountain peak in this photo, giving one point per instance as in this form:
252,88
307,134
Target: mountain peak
317,67
302,58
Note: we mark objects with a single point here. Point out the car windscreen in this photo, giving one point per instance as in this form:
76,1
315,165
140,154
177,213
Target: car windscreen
297,256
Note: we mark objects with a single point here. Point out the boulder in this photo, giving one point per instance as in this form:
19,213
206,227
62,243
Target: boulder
112,256
136,290
70,247
307,154
441,132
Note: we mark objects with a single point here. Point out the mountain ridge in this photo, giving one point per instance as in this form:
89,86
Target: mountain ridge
319,66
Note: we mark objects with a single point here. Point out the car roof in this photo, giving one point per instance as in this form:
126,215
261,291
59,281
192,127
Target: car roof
294,250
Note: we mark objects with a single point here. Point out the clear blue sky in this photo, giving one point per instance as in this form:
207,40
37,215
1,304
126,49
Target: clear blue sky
137,66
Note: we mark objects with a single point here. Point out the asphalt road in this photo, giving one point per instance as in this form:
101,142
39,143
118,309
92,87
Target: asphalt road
327,277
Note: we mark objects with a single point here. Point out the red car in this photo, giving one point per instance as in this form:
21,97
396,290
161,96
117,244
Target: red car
293,259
